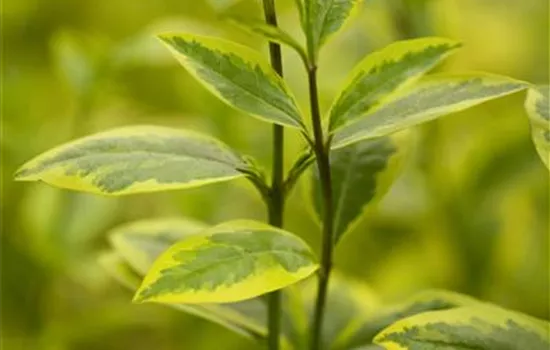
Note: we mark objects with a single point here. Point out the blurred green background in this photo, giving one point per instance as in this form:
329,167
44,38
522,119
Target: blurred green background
470,212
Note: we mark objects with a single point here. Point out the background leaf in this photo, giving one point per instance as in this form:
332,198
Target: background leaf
362,173
141,242
432,97
230,262
115,265
477,327
383,72
133,160
538,109
237,75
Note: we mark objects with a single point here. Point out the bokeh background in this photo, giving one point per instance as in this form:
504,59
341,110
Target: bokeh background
470,213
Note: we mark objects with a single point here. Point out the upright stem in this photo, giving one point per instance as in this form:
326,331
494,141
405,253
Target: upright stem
276,202
323,164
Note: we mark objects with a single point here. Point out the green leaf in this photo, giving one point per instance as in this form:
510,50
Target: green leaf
139,243
538,109
348,303
425,301
432,97
383,72
230,262
133,160
270,32
477,327
322,18
237,75
361,175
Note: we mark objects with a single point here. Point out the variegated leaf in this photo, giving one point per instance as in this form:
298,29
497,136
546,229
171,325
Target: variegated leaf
139,243
135,159
383,72
538,109
432,97
477,327
230,262
237,75
362,173
430,300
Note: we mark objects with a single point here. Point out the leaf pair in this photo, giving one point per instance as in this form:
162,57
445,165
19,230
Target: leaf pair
385,93
384,96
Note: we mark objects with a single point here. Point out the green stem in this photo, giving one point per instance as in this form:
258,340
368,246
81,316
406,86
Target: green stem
323,164
276,202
